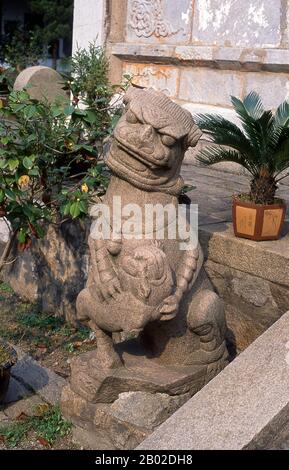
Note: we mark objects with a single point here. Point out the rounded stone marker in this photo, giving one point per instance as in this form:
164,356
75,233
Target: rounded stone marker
42,83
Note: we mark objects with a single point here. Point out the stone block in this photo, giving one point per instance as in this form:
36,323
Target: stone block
42,83
146,410
46,383
27,406
245,407
215,56
252,304
252,278
272,87
250,23
53,270
122,424
155,21
75,408
89,440
139,374
161,77
253,290
208,86
268,260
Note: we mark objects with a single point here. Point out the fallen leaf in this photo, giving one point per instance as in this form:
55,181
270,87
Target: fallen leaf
43,442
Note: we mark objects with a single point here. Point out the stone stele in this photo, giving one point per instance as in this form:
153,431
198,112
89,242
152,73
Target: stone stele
146,294
42,83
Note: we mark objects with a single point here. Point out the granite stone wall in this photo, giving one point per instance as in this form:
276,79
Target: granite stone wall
200,52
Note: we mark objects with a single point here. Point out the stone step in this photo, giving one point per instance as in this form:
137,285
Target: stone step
245,407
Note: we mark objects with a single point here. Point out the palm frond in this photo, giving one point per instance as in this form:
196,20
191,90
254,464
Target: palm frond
281,118
264,131
217,154
257,123
251,106
280,159
224,132
276,139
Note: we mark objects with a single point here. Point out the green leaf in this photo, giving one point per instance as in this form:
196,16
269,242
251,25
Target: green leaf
90,116
66,209
21,236
31,138
5,140
39,230
27,163
28,211
30,111
83,206
10,194
2,195
79,112
3,163
68,110
19,107
34,172
13,163
75,209
56,110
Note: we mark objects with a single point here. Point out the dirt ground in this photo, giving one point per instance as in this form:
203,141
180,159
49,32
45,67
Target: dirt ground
49,340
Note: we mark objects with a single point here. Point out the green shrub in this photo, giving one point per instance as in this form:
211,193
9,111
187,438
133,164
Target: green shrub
48,164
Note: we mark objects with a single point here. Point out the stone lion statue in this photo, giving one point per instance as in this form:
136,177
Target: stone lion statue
144,286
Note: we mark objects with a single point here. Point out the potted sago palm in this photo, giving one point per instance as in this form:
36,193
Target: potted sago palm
261,146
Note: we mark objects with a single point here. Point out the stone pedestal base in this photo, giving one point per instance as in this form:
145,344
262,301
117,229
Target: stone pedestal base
119,408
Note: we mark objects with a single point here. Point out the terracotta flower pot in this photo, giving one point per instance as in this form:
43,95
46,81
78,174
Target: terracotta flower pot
8,357
256,221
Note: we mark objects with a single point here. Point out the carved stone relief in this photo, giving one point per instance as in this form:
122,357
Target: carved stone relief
158,21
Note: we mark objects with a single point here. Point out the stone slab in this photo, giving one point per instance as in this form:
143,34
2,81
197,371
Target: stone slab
146,410
46,383
88,440
252,304
42,83
244,407
268,260
164,78
230,58
27,407
150,21
250,23
204,85
139,374
272,87
122,424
